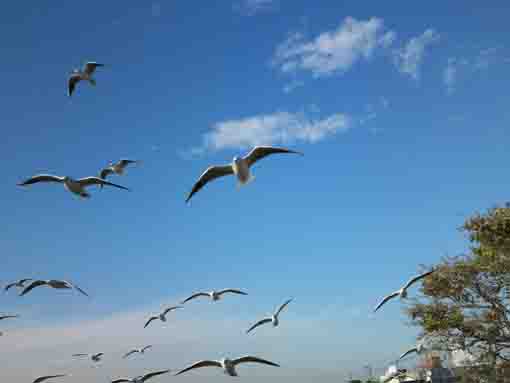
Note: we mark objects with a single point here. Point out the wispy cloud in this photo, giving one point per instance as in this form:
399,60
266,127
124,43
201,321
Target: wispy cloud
334,51
408,60
291,86
253,7
450,75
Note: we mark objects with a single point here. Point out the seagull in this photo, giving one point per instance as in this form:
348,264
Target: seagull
418,350
55,283
142,378
403,291
93,357
228,365
19,284
74,186
85,74
162,316
214,295
137,350
2,317
43,378
239,167
273,318
116,168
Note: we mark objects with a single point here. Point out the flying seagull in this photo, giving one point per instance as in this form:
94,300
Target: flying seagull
43,378
239,167
74,186
142,378
162,316
273,318
137,350
2,317
116,168
93,357
85,74
228,365
418,350
402,293
54,283
214,295
19,284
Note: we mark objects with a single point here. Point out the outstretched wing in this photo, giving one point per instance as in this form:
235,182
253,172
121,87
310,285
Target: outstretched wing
210,174
8,316
149,321
125,162
43,378
418,277
87,181
254,359
414,349
41,178
121,380
79,355
130,353
386,299
233,291
73,286
171,309
10,285
283,306
202,363
259,323
71,83
260,152
91,66
146,348
194,296
153,374
32,286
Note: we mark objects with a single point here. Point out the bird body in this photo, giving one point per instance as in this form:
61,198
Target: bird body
271,319
214,295
141,378
228,365
137,350
54,283
82,75
161,316
118,168
241,169
94,357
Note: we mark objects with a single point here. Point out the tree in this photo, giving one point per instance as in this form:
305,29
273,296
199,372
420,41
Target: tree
465,303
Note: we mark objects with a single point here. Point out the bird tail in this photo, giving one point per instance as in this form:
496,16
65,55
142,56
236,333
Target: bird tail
250,179
92,81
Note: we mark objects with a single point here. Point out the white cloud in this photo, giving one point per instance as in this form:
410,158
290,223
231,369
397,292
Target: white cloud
408,60
292,86
334,51
450,75
252,7
276,128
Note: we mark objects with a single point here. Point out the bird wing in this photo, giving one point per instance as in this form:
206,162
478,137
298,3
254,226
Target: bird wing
417,278
105,172
171,309
233,291
414,349
254,359
32,286
260,322
130,353
260,152
22,281
87,181
124,162
386,299
282,307
80,355
90,67
146,348
73,286
41,178
121,380
43,378
202,363
149,321
99,354
195,296
210,174
71,83
153,374
10,285
8,316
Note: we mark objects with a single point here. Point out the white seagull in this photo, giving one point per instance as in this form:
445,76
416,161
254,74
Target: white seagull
239,167
137,350
273,318
54,283
116,168
418,350
74,186
93,357
402,293
162,316
85,74
228,365
142,378
43,378
214,295
19,284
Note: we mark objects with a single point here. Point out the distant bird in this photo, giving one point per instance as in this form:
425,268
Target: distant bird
85,74
273,318
162,316
214,295
142,378
43,378
19,284
74,186
403,291
418,350
93,357
54,283
137,350
116,168
2,317
240,167
228,365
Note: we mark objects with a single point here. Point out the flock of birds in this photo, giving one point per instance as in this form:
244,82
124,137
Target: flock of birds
240,167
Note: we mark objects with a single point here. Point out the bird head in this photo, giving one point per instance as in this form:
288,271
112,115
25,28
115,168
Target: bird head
236,159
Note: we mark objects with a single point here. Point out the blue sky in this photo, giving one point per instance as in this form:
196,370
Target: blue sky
402,113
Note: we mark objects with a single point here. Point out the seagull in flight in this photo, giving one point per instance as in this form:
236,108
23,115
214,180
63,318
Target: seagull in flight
418,350
228,365
214,295
142,378
402,293
273,318
44,378
162,316
19,284
116,168
74,186
54,283
2,317
240,167
93,357
85,74
137,350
